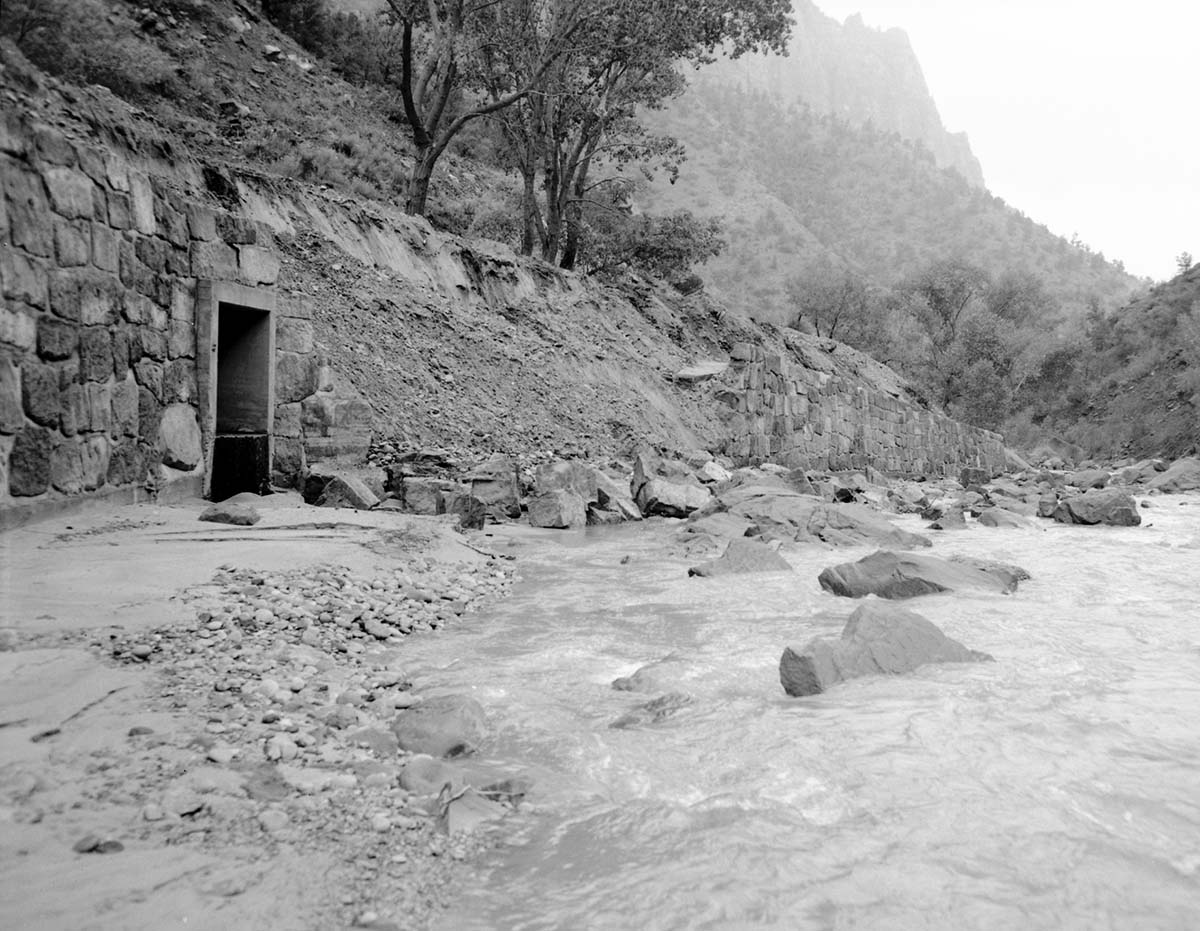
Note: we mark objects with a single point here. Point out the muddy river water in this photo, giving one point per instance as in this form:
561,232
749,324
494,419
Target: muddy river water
1058,787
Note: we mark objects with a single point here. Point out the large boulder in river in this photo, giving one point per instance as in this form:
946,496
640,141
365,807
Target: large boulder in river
878,639
742,556
558,510
665,487
907,575
1099,506
671,499
1181,475
442,726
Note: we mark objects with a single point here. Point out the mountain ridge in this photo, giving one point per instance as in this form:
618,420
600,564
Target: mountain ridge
863,75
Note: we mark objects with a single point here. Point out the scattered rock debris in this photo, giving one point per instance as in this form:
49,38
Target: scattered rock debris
280,694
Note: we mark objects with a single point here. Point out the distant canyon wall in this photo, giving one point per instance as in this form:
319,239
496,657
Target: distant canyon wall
862,75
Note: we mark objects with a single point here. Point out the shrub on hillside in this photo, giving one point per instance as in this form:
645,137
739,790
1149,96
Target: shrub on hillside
666,247
78,41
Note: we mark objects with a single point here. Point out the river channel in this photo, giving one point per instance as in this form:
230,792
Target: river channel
1058,787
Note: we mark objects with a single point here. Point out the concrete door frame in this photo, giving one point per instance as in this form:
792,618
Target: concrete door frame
210,297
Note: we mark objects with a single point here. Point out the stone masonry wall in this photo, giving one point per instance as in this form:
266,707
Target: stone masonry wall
807,418
100,259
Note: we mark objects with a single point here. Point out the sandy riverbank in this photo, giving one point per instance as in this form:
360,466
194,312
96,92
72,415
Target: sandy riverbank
194,717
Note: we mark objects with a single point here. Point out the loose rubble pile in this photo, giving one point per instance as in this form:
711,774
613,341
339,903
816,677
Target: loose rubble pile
301,696
767,501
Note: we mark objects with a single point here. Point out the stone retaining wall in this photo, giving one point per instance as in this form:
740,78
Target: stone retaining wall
101,265
802,417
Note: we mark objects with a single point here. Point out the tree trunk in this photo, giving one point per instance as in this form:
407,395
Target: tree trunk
553,232
417,191
570,252
529,234
574,214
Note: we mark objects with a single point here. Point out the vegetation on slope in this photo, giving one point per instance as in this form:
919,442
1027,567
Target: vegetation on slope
1132,385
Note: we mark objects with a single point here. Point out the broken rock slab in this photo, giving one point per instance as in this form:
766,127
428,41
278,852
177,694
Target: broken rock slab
701,371
347,491
614,496
742,556
879,639
906,575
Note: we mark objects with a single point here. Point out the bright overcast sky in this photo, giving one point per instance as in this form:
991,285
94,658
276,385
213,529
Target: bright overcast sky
1084,113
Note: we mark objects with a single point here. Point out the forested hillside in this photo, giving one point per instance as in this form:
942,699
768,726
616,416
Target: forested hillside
1131,384
795,187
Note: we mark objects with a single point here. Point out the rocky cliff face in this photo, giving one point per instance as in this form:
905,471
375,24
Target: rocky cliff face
863,75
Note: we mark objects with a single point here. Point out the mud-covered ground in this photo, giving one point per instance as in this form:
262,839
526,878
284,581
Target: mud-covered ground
194,718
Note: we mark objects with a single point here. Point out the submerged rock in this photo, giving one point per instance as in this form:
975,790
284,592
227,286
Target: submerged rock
444,726
465,810
654,711
1002,517
423,774
878,639
952,518
660,676
742,556
907,575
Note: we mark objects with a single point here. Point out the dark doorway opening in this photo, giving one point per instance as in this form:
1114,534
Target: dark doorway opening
242,438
